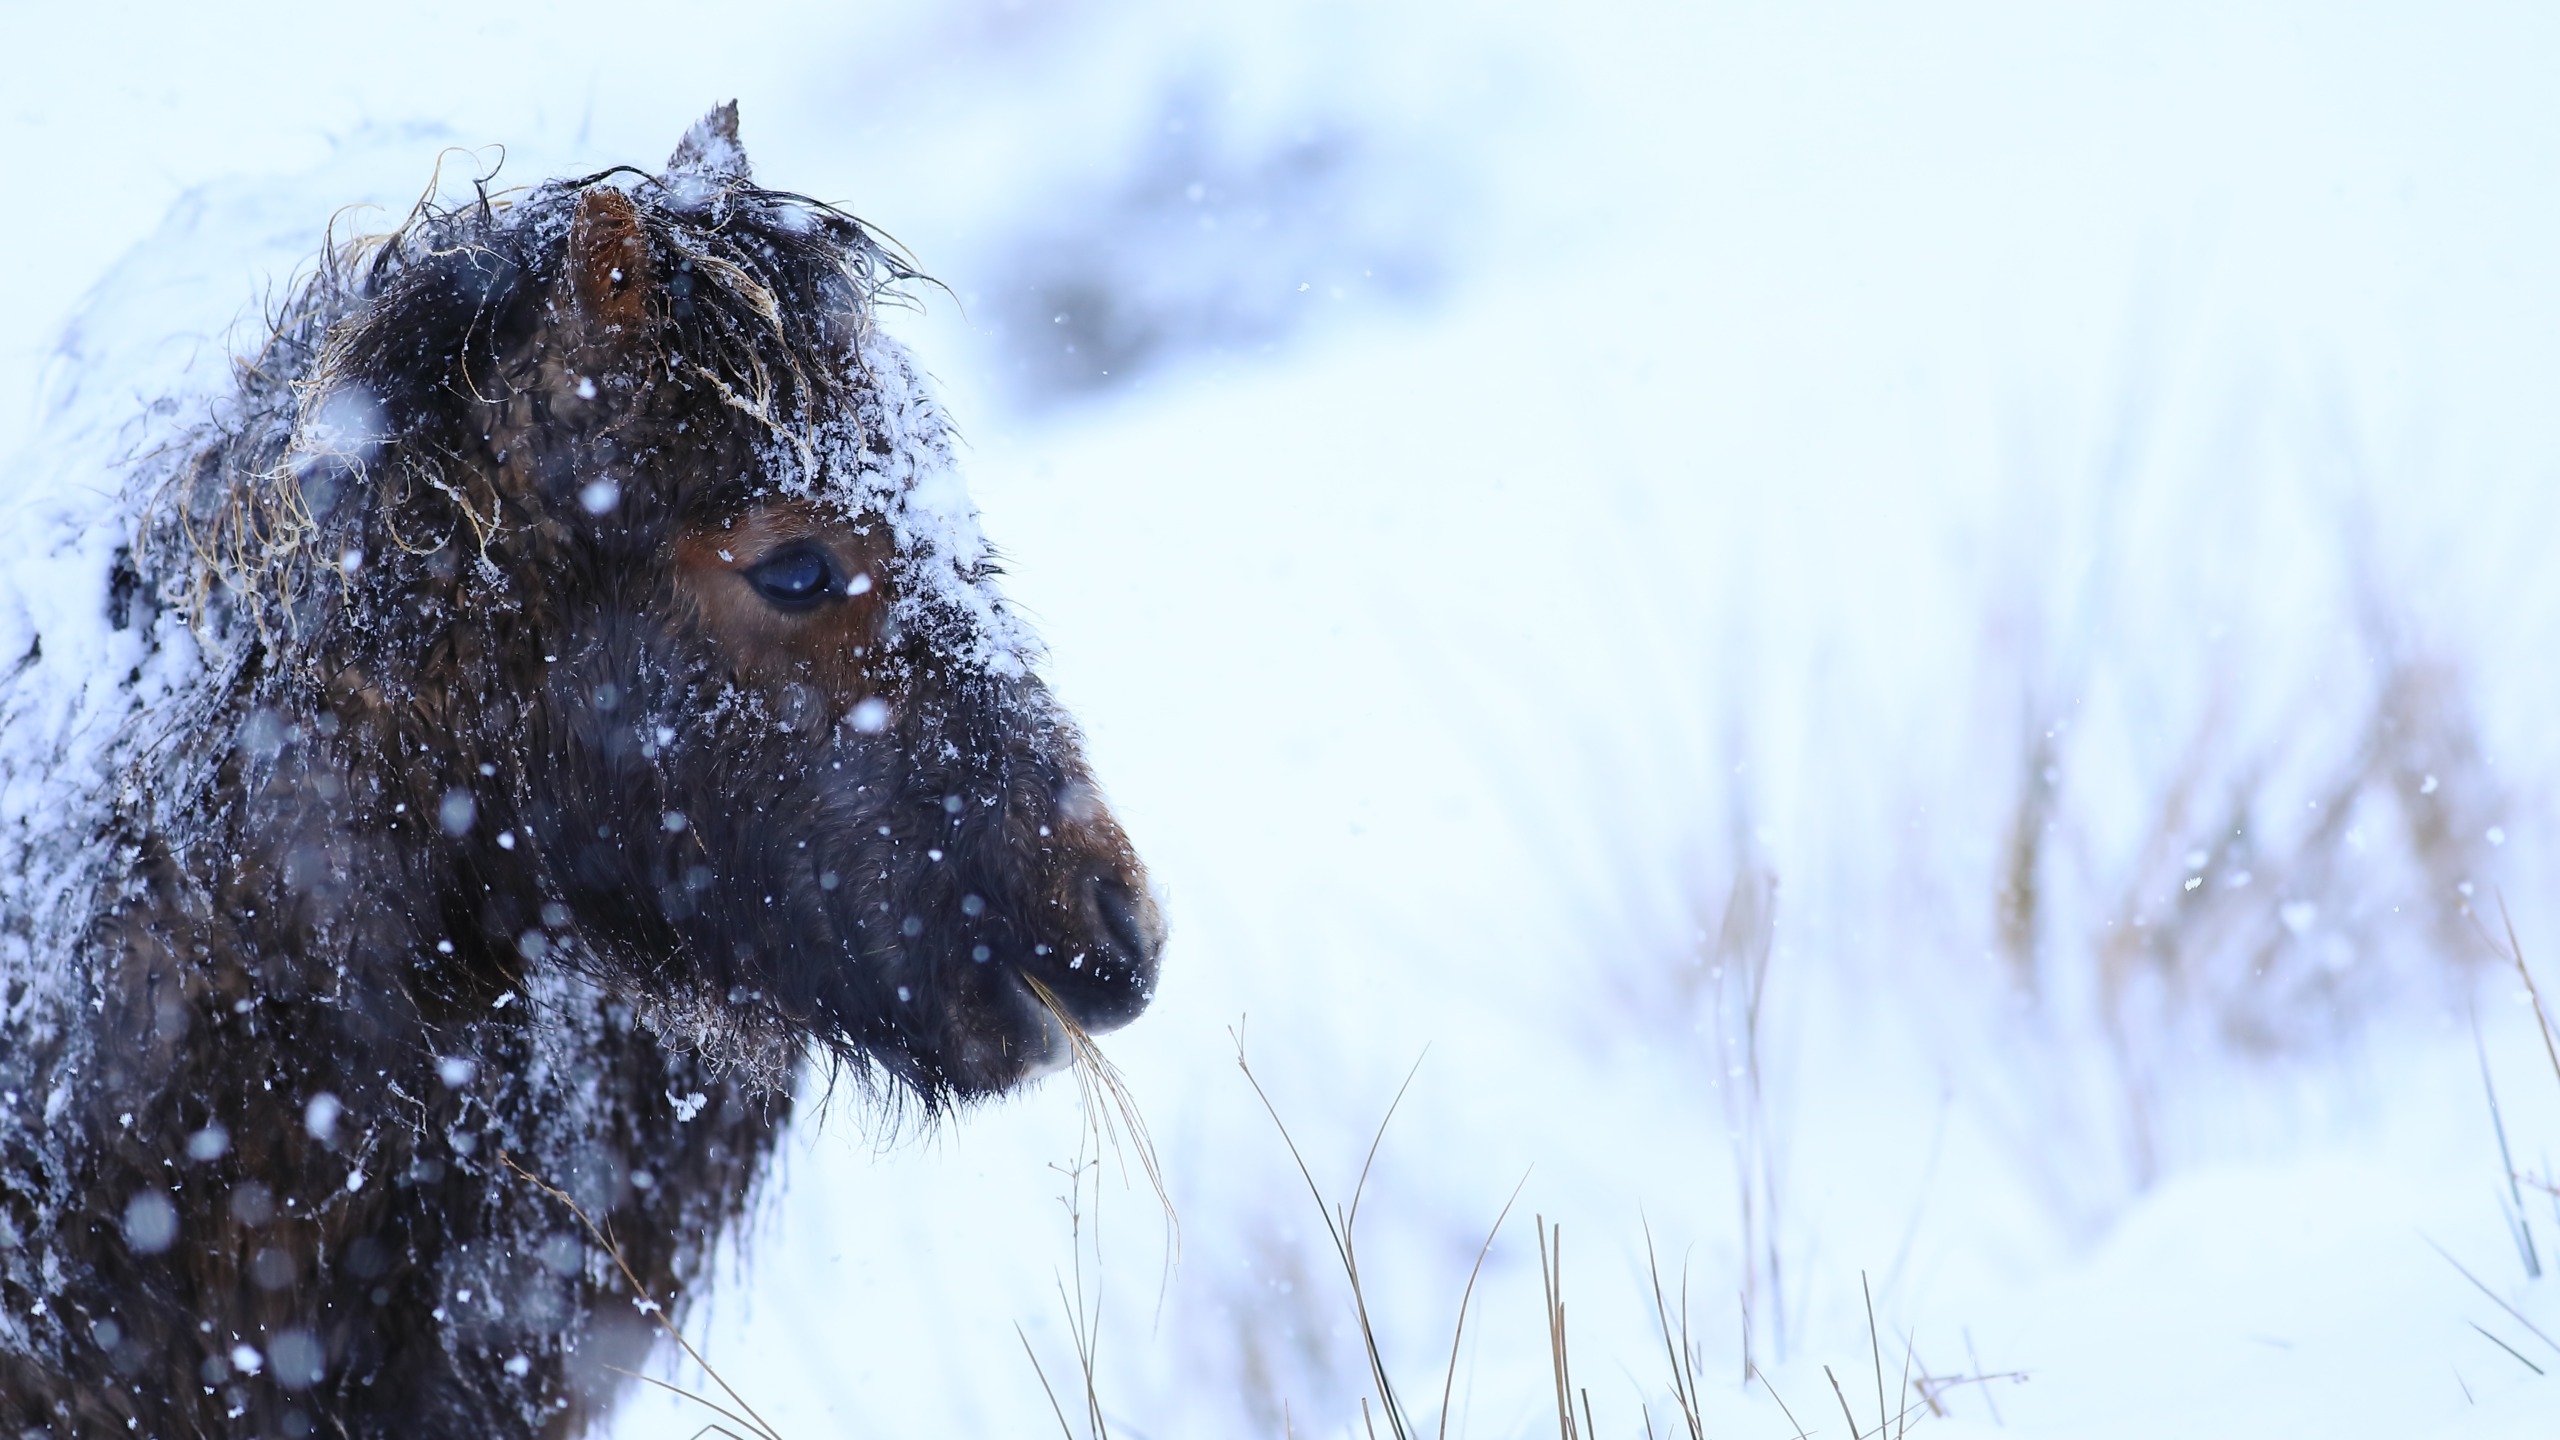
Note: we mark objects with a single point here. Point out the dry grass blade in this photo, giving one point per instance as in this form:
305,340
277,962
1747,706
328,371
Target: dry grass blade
1087,1329
1684,1370
2493,1295
1341,1228
1854,1431
650,1307
2519,1228
1449,1382
1745,940
1934,1389
1976,1360
1045,1388
1551,1279
715,1427
1928,1392
1782,1403
1084,1320
1097,1079
1894,1421
1875,1348
2541,1016
2503,1345
1902,1426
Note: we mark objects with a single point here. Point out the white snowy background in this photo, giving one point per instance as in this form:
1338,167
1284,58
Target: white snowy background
2050,506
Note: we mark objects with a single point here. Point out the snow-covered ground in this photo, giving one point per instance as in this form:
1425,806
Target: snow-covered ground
2034,519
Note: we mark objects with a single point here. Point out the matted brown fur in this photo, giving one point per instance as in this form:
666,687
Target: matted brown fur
598,724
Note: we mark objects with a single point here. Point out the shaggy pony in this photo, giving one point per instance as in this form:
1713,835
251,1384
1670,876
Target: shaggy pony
567,691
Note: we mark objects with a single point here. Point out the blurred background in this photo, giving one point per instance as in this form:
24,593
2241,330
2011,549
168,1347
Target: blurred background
1905,653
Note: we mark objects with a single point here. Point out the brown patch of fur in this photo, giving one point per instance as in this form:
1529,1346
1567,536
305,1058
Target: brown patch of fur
833,647
609,259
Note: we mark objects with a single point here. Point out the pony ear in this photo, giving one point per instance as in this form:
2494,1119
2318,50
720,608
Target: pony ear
711,149
609,258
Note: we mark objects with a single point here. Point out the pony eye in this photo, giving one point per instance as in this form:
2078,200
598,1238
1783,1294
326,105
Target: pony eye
798,578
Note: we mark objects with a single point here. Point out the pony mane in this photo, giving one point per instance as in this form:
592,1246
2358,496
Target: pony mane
246,525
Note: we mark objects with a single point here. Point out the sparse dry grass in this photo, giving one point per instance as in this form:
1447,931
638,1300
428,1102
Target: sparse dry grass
2267,891
1083,1310
1113,1123
1576,1415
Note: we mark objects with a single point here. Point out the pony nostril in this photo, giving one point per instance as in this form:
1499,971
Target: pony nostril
1116,906
1106,971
